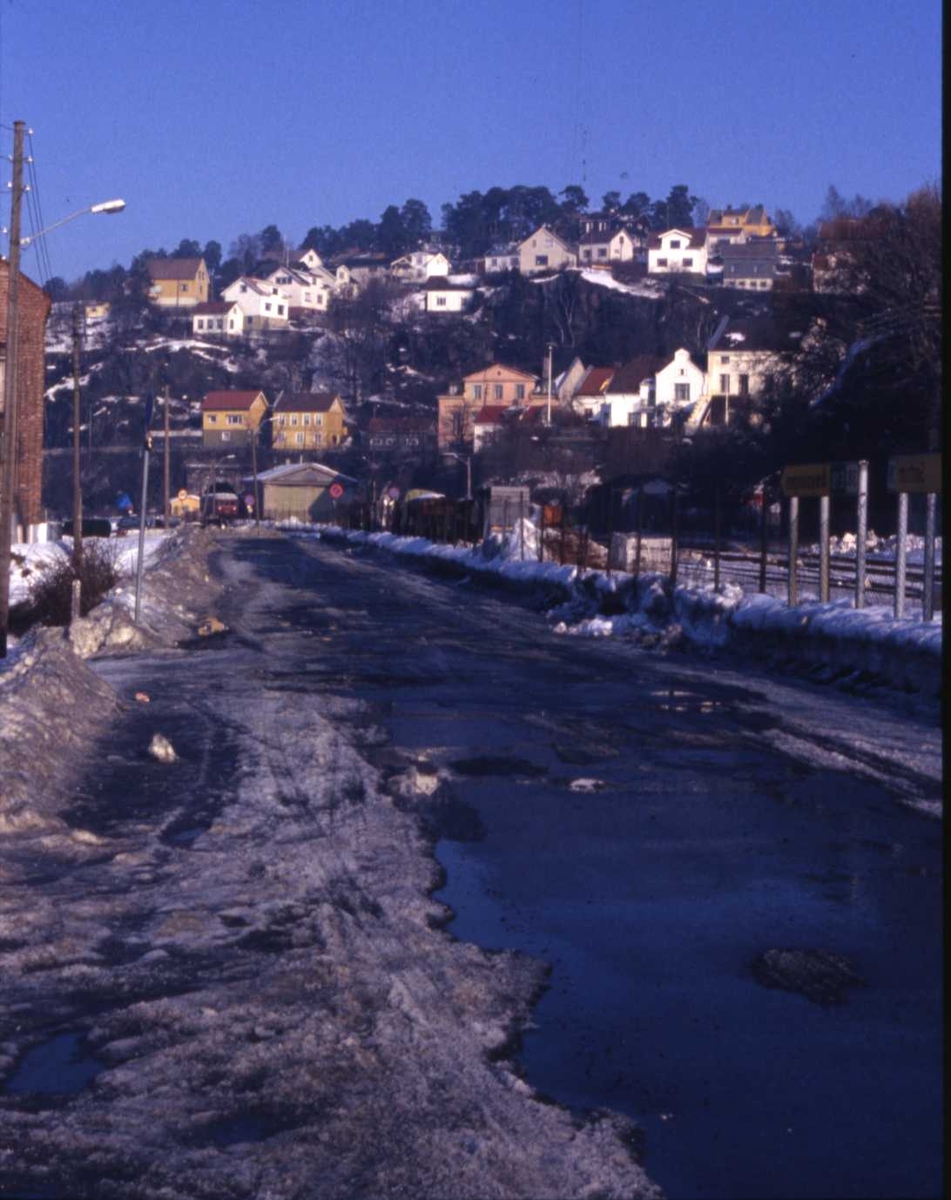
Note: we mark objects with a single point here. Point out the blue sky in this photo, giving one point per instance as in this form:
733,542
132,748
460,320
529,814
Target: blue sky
218,117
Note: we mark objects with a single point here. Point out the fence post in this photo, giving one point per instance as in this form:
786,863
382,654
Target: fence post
824,508
638,529
793,594
927,599
861,533
716,538
541,532
900,554
763,539
561,549
521,527
673,538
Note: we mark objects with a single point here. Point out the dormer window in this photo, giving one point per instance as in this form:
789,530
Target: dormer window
675,243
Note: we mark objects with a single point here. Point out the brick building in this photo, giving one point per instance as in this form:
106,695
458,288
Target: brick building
31,382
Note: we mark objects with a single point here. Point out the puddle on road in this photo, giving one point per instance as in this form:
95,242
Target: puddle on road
61,1066
497,764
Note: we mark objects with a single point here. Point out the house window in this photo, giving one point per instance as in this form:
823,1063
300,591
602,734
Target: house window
318,439
225,435
520,391
306,419
440,301
541,260
282,419
681,391
231,323
233,419
298,439
498,389
744,385
674,244
602,252
477,391
249,321
662,262
724,385
220,323
212,419
293,418
267,308
318,418
280,310
724,358
183,287
244,287
688,262
200,323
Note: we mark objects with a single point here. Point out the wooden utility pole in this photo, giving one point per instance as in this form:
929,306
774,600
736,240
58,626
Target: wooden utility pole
166,466
8,490
77,459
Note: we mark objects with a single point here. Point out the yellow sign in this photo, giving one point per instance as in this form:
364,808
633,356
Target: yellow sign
182,494
811,480
915,473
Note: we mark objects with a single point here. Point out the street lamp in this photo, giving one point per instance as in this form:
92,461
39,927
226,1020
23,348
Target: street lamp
7,492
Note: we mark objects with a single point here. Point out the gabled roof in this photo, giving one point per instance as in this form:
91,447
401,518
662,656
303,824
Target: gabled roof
548,233
481,375
596,380
173,268
774,334
441,283
628,379
306,402
230,401
208,307
303,475
695,237
492,414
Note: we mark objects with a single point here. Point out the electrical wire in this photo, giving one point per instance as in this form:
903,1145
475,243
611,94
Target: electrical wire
42,248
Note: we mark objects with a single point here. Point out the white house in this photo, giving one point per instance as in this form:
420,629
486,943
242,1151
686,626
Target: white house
311,260
443,296
605,246
419,265
217,318
310,289
679,385
501,258
677,250
628,396
544,250
263,305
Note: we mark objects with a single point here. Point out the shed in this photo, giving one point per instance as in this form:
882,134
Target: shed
299,491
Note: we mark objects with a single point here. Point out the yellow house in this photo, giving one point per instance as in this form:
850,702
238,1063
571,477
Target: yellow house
227,418
495,385
308,421
751,222
96,310
177,282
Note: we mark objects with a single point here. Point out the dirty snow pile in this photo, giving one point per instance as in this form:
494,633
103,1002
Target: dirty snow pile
591,603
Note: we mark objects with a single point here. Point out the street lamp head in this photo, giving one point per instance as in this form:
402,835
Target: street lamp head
108,206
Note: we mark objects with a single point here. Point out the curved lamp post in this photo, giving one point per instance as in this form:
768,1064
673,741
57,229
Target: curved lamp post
7,493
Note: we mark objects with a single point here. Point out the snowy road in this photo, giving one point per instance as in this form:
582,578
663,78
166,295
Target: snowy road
222,976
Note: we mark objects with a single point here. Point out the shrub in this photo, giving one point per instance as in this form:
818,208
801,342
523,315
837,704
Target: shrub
51,593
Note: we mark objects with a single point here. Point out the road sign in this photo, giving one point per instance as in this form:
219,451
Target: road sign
182,494
844,477
812,480
393,493
915,473
336,491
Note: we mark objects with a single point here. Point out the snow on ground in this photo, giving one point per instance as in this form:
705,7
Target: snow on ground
647,289
645,608
28,559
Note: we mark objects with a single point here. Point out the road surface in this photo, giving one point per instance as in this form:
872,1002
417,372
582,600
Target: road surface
734,879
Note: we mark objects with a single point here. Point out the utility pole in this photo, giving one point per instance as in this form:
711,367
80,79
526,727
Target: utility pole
7,492
77,460
166,466
551,347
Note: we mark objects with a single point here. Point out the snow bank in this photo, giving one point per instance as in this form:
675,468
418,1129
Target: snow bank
590,603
